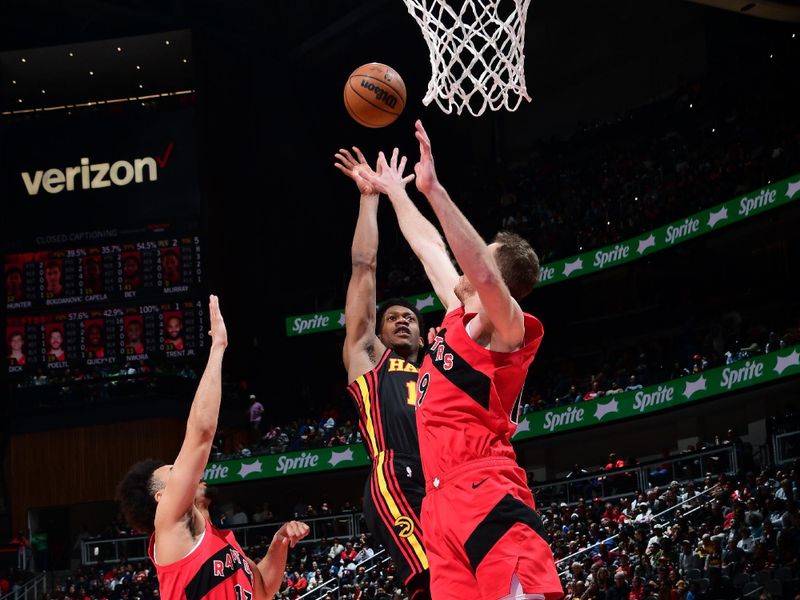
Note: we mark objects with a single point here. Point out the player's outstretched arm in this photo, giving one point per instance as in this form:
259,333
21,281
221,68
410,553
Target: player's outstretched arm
423,237
362,348
501,315
177,498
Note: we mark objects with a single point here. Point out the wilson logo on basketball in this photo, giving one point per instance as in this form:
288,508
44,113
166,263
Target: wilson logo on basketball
381,94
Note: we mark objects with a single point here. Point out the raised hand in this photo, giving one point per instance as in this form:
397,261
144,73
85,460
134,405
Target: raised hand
218,333
424,169
390,175
292,532
355,169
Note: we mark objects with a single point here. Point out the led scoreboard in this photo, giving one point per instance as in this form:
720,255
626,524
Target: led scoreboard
105,304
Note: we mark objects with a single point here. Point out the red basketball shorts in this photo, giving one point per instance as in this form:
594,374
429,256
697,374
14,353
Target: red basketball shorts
481,529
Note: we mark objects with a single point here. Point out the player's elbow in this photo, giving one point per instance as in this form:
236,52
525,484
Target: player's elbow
203,428
364,262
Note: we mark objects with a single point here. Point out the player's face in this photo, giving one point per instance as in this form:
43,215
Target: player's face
130,267
173,328
13,281
170,263
52,276
200,494
56,339
464,289
134,331
400,329
95,335
16,342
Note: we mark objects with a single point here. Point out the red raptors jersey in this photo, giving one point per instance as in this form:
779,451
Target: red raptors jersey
216,569
469,396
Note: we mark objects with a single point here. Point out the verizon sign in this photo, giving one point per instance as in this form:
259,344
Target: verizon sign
90,176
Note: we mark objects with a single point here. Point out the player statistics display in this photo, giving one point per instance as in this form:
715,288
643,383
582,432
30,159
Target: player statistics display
108,336
142,270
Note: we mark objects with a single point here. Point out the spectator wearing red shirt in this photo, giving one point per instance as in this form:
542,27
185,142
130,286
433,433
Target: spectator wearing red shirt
348,555
299,583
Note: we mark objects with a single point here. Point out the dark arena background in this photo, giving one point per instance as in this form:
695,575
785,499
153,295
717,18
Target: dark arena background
153,153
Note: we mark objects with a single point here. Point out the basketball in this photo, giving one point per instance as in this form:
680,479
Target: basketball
374,95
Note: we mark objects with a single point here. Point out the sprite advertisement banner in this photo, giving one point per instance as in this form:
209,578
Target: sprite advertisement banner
291,463
645,401
713,382
334,319
706,221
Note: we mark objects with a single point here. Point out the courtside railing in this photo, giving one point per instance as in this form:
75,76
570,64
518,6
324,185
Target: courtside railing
619,483
32,590
135,548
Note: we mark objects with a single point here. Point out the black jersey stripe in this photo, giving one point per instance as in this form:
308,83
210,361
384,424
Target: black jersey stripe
506,513
205,580
460,373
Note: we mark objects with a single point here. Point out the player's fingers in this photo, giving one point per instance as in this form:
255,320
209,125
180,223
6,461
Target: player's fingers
408,178
421,130
382,160
402,166
395,154
360,156
349,156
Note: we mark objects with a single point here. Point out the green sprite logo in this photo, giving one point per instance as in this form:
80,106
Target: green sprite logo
570,416
214,472
748,372
644,400
305,460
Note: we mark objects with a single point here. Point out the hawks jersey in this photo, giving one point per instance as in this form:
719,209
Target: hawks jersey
386,398
216,569
468,396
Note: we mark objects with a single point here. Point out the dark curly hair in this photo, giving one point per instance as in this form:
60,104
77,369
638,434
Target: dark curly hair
387,304
136,495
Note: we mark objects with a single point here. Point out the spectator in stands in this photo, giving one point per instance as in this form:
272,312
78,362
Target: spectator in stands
620,590
633,384
238,517
264,515
255,413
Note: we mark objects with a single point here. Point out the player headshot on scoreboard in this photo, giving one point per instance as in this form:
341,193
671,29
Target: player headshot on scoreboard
131,274
94,339
134,331
54,337
173,331
93,275
16,347
53,278
15,291
171,267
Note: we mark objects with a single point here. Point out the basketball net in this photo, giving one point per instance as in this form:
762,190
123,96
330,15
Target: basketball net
476,52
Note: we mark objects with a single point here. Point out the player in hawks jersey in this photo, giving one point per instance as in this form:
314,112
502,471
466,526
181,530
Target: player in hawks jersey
483,534
194,559
382,371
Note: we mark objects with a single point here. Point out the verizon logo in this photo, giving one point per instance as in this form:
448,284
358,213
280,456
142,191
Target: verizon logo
91,176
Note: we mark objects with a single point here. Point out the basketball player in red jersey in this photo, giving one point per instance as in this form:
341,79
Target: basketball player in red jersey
483,534
382,371
194,559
